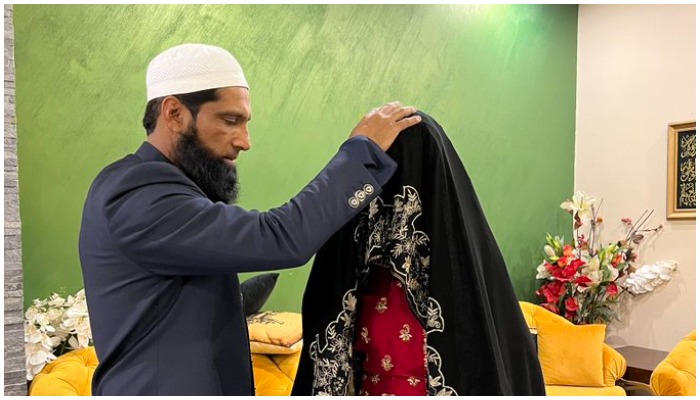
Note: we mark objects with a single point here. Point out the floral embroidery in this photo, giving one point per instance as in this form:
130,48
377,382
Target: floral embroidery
375,378
413,381
331,352
365,335
388,237
436,380
381,305
406,264
388,394
386,363
405,333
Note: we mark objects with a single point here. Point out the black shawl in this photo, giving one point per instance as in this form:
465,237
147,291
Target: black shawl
428,227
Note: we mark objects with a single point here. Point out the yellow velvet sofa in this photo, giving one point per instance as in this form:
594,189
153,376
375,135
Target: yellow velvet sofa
71,374
560,343
675,375
275,340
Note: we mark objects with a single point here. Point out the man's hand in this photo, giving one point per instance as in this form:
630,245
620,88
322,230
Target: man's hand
382,125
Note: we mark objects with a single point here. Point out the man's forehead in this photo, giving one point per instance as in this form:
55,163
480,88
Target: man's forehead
233,93
232,100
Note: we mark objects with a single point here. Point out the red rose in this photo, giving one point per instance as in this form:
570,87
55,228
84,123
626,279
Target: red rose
577,263
568,273
552,291
562,261
583,280
570,304
612,290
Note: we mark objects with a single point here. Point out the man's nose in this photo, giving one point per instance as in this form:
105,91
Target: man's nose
242,140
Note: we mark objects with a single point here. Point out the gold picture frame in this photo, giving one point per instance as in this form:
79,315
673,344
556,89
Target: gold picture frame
680,200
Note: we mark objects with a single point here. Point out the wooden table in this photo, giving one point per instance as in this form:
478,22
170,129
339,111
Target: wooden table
641,362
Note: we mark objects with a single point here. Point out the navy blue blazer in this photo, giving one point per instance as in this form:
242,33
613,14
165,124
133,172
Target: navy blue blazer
160,259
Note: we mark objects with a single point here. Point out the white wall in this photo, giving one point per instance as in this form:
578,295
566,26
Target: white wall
636,74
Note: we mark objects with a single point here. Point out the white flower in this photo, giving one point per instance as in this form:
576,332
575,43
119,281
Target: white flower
592,265
53,315
37,357
596,277
542,272
55,323
580,204
549,251
38,349
56,301
648,277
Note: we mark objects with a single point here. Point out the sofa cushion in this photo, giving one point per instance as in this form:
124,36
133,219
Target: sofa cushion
571,354
277,328
269,348
556,390
68,375
675,375
256,291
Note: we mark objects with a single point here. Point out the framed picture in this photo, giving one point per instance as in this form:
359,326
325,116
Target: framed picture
680,202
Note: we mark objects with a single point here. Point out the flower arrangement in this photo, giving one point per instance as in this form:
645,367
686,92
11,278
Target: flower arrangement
54,326
583,280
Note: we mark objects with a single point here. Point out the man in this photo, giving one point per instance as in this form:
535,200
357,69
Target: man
160,245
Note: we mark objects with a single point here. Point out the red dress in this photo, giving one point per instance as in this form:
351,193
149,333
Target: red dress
392,339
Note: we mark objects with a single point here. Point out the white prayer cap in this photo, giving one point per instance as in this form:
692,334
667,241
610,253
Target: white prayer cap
190,68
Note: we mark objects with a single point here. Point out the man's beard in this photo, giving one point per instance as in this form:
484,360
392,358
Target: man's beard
217,179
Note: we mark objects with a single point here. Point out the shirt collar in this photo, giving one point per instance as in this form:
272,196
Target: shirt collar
148,152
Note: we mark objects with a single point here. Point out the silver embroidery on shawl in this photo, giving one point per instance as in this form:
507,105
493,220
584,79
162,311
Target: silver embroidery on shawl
332,354
436,380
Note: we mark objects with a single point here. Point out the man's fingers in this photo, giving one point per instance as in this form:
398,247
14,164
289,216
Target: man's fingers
404,112
410,121
389,108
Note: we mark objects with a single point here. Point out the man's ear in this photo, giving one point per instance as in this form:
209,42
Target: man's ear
174,114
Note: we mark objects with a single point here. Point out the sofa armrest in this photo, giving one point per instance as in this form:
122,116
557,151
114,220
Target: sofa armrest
614,365
667,380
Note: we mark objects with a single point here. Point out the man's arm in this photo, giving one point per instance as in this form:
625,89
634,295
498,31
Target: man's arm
163,223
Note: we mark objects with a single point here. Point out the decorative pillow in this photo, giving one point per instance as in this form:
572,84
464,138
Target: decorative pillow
267,348
571,354
275,328
256,291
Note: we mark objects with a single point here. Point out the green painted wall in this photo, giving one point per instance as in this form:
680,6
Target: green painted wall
501,79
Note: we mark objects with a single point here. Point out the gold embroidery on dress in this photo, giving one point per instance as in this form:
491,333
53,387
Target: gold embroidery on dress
365,335
413,381
375,378
405,333
407,264
381,305
388,394
386,363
